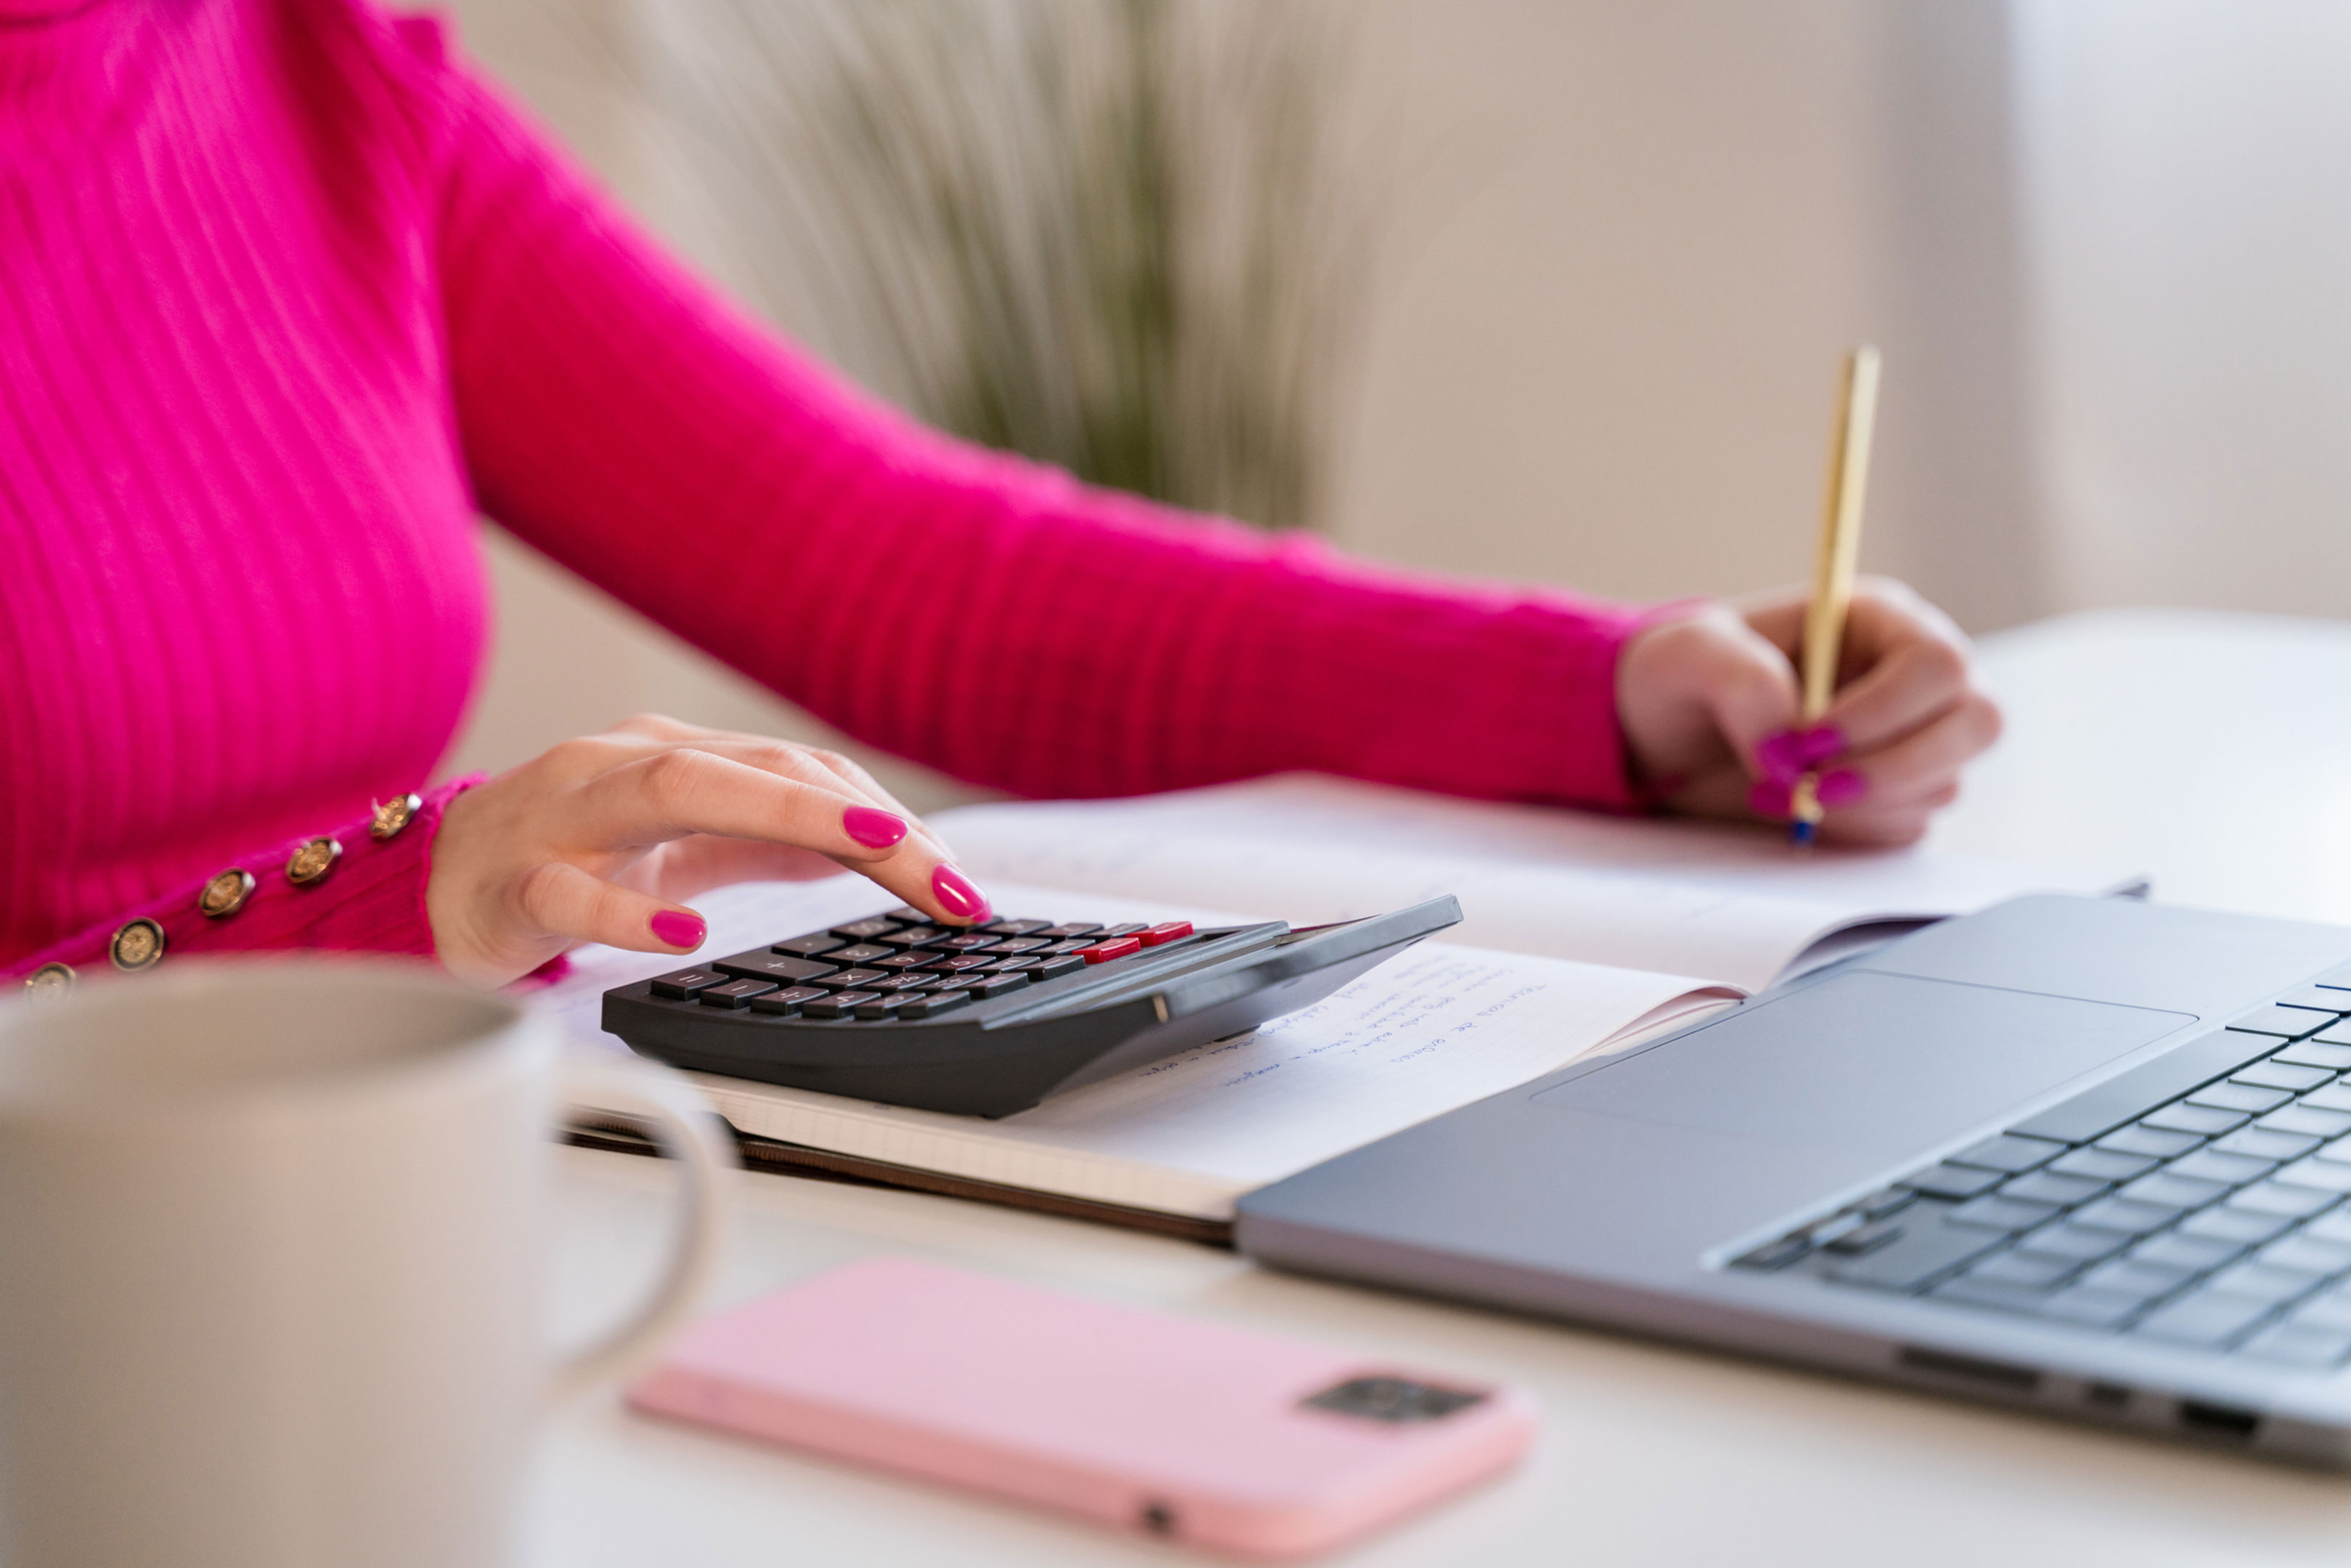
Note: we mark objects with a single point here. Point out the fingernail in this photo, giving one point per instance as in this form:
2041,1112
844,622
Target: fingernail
677,929
1820,743
1781,755
959,896
1770,799
1841,788
874,830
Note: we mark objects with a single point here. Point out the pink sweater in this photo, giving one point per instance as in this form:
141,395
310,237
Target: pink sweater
288,296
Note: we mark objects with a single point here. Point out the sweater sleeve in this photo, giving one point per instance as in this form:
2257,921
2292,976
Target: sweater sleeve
982,614
370,900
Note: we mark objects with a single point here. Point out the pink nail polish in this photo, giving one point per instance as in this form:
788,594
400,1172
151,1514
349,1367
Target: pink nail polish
874,830
1770,799
1781,755
961,898
1820,743
1841,788
678,930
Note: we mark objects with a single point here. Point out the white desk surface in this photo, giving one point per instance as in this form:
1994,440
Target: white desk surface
2216,751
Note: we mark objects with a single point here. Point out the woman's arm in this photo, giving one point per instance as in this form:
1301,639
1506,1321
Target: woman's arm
985,615
366,893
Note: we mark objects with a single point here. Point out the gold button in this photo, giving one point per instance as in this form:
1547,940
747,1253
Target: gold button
50,980
312,862
226,894
138,944
390,816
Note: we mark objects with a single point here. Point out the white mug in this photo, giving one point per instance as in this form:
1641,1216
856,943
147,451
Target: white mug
272,1244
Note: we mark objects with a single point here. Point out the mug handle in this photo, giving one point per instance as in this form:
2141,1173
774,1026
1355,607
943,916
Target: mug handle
681,1121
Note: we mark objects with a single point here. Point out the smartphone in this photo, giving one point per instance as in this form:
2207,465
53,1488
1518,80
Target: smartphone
1240,1442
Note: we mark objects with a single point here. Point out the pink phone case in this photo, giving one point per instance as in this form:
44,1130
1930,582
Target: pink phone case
1208,1435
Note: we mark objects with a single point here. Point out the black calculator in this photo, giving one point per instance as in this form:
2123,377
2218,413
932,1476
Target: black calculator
989,1019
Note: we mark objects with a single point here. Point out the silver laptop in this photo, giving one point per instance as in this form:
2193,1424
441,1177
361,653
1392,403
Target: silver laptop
2088,1156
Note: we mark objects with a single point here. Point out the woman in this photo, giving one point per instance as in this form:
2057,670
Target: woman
286,296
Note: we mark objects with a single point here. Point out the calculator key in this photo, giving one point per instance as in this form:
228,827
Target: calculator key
810,947
863,953
911,936
884,1006
836,1004
983,987
2319,1051
908,914
848,979
762,964
1057,966
966,942
786,1003
1063,933
1116,947
686,984
1952,1181
866,930
900,963
2009,1153
1031,927
734,993
890,985
932,1004
1074,945
942,983
1025,967
2210,1321
1166,931
1129,929
1021,944
961,962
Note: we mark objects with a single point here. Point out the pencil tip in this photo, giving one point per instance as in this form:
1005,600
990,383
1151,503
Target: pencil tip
1801,833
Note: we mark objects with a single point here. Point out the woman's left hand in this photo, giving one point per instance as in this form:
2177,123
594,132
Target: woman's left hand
1709,708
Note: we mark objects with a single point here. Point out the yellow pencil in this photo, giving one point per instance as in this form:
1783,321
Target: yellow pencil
1833,570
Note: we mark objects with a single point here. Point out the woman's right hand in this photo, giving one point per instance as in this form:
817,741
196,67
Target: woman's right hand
601,837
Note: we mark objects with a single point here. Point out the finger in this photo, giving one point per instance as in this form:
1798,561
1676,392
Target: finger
1912,682
687,790
1746,686
880,825
563,900
1918,765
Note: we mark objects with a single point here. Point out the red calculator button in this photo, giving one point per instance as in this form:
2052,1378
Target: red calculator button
1165,931
1117,947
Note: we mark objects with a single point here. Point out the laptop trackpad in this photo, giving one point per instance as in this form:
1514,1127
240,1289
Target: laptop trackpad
1867,1058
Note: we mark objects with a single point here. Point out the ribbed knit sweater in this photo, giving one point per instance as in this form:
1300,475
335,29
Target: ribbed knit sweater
288,297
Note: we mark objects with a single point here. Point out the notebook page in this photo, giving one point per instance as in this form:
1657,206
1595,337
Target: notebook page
1430,1031
1732,903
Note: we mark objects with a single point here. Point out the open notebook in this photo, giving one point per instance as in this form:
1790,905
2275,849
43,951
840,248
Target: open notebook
1580,934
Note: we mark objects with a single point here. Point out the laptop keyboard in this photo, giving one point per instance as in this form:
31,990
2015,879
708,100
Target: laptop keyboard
2196,1199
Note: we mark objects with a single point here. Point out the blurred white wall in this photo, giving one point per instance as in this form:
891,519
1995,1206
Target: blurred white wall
2096,238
